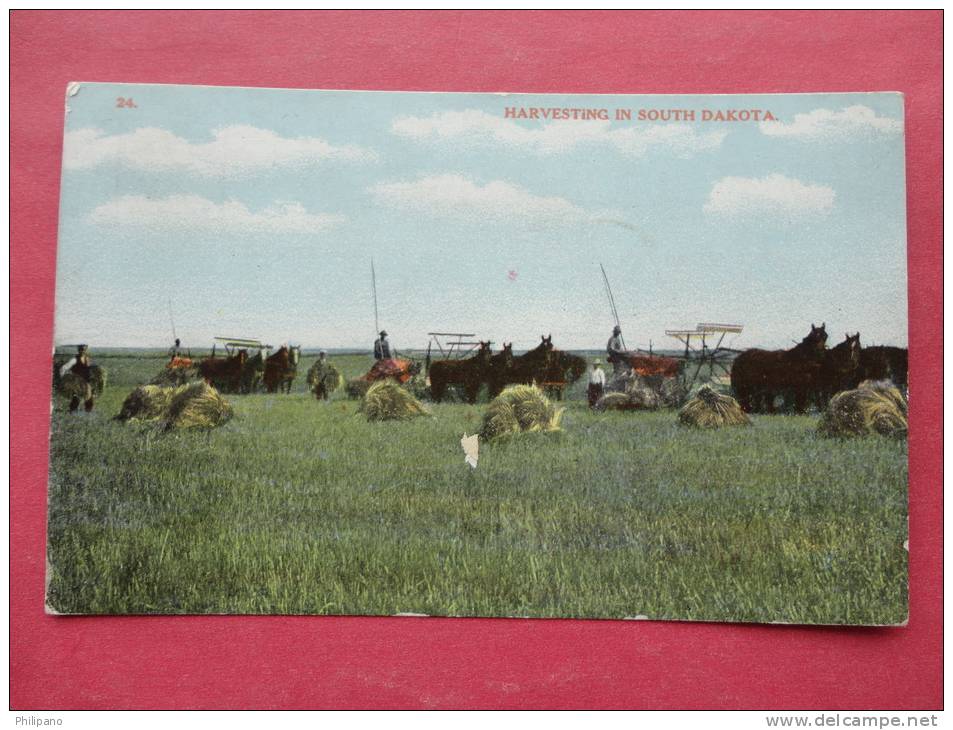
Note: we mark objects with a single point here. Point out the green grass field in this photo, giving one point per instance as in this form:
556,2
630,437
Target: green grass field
297,506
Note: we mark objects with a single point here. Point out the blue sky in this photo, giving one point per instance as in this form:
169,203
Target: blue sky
257,212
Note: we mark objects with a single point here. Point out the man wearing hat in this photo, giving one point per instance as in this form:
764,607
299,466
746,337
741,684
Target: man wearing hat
321,377
597,382
382,347
81,367
616,351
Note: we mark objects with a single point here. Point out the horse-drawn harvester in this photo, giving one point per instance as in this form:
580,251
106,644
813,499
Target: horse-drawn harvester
652,380
706,358
551,369
450,346
240,372
236,371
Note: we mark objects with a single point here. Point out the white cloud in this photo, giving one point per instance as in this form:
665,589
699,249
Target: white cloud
827,124
452,195
473,127
774,195
233,152
192,213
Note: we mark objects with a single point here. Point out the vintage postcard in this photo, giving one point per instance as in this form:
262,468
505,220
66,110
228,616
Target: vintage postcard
523,355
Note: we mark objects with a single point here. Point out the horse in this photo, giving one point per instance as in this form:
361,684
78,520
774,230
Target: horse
564,369
760,376
498,368
471,373
533,366
252,373
839,370
884,363
224,373
281,368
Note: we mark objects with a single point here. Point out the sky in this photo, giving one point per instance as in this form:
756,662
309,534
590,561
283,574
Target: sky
257,212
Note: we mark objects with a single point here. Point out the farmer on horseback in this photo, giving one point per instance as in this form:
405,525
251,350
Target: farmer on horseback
615,351
382,347
81,367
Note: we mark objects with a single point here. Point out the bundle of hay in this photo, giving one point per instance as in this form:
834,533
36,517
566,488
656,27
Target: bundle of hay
643,392
631,392
874,407
710,409
614,402
642,396
97,379
175,376
72,384
197,405
146,403
386,401
325,375
520,409
357,387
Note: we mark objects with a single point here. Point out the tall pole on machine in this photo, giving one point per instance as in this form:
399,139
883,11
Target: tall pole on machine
612,306
172,320
377,328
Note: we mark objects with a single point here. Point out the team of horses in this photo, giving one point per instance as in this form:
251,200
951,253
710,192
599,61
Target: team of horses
763,381
544,365
810,373
239,373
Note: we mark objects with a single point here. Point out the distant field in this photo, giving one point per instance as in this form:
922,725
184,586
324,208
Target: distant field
297,506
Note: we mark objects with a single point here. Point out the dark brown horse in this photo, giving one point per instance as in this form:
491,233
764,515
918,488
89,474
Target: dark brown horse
533,366
470,374
281,368
839,370
224,373
252,373
499,367
564,370
884,363
758,377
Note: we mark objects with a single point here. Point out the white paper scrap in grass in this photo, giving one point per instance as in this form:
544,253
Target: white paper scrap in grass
471,449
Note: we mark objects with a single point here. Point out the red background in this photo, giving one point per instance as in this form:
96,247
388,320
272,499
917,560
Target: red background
281,662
